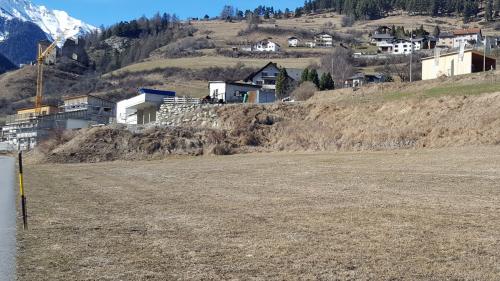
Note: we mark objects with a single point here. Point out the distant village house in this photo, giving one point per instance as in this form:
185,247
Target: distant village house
323,40
293,42
266,46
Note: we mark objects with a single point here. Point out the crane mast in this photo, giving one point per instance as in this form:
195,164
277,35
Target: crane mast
42,55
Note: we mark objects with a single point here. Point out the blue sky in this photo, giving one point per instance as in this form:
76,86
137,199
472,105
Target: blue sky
107,12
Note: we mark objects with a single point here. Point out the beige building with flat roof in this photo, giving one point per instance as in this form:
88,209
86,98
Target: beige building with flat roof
455,63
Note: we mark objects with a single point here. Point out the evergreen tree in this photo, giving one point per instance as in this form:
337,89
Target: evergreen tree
488,10
329,84
305,76
322,82
370,9
436,31
326,82
282,84
468,10
313,77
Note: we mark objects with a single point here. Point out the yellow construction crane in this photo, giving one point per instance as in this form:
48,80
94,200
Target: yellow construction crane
42,55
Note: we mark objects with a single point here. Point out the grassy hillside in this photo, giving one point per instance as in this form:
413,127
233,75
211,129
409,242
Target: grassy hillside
156,71
212,61
429,114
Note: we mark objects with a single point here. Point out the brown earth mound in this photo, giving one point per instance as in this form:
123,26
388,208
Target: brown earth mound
113,143
310,126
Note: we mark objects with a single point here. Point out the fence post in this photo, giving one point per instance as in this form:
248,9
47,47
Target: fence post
21,191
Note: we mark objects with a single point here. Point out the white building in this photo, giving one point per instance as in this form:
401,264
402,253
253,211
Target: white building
266,46
26,128
293,42
404,47
311,44
230,92
385,47
142,108
470,37
324,40
456,63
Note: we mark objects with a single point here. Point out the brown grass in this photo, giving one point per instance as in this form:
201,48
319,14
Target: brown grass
212,61
406,215
456,112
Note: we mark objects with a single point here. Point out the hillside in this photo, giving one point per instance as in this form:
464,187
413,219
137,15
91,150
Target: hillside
453,112
184,56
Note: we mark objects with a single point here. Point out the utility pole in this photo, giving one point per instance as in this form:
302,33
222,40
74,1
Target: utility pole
411,56
484,54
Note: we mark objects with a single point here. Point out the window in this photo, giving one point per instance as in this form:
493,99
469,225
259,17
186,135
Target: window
264,74
260,82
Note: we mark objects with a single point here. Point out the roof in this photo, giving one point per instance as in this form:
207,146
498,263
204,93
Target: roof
251,76
266,41
456,52
382,36
237,84
156,92
446,35
83,96
295,73
466,31
360,75
292,38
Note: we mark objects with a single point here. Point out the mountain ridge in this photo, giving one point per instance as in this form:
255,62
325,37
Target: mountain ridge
54,23
23,24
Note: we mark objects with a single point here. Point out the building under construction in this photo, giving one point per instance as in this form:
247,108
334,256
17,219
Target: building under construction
27,128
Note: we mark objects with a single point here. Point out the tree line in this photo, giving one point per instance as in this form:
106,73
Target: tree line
145,35
373,9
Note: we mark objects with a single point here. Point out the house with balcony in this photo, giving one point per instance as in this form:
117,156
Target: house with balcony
468,37
266,77
405,46
381,38
323,40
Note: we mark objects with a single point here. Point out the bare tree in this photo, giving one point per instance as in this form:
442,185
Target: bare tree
339,63
395,67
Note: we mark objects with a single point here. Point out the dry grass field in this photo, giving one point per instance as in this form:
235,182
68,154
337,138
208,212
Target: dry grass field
212,61
400,215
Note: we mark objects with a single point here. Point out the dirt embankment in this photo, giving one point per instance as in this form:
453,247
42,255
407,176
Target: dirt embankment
310,126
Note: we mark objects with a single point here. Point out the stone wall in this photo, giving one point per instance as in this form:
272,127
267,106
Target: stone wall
200,115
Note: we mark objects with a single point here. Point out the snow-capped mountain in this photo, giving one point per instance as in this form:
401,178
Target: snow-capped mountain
56,24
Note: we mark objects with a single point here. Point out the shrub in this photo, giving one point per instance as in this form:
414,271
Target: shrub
304,92
347,21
